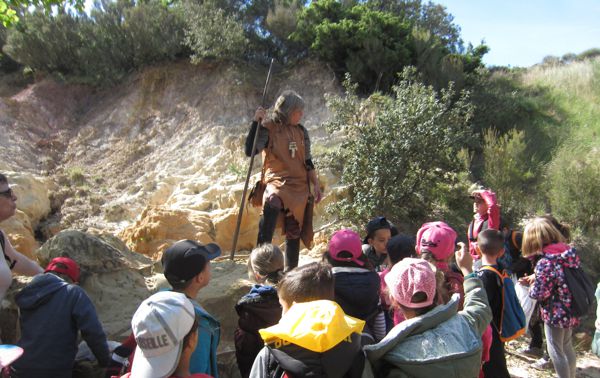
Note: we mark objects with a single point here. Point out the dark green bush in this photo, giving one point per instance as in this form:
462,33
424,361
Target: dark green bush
212,33
370,45
116,38
398,155
574,187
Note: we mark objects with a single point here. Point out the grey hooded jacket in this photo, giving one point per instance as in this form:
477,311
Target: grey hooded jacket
441,343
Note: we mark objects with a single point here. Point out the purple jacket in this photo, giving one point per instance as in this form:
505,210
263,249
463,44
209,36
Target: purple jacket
550,287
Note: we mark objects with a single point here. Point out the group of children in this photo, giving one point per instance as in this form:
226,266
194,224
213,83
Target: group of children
387,305
417,306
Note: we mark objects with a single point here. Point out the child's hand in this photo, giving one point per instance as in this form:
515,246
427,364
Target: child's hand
527,280
464,260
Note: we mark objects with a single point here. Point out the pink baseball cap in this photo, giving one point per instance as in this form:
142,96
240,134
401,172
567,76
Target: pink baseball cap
408,277
438,238
346,240
69,267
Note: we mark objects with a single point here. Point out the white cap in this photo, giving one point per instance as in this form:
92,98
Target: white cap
8,354
159,326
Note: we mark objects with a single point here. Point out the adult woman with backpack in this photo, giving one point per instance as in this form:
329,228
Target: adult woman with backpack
551,290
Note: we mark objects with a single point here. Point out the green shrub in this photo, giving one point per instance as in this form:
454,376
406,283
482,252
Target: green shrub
399,153
574,187
510,171
370,45
589,54
114,39
212,33
7,64
47,43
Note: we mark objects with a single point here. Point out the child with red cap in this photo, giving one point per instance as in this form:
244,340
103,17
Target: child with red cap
452,337
53,311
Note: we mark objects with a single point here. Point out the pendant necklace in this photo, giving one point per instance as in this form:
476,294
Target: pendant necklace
292,145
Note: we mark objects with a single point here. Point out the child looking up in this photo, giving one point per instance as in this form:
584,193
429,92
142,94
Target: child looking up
314,338
259,308
379,232
491,245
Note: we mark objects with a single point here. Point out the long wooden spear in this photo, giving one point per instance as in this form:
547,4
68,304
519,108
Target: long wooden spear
252,154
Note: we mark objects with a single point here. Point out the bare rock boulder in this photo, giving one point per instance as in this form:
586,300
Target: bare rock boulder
158,227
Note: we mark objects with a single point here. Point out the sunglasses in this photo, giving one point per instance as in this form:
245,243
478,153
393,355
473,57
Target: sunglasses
7,193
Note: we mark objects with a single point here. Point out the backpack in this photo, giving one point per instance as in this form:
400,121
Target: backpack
582,291
512,318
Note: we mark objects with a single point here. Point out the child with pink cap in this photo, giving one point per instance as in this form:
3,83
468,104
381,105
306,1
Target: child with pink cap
436,242
435,340
357,285
486,215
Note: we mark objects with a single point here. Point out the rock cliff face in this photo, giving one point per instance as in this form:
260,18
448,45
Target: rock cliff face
155,159
131,169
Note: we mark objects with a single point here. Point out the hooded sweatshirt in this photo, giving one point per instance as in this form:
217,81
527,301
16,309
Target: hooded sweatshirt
550,286
312,339
443,342
258,309
52,313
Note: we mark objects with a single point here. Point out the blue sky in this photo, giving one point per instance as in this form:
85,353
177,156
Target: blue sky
522,32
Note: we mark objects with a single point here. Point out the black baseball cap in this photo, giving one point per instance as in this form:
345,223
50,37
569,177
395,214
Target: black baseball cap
186,258
379,223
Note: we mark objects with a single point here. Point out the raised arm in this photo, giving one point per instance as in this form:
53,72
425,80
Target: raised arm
476,308
263,133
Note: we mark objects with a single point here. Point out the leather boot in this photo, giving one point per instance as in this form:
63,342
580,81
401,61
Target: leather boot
292,252
267,224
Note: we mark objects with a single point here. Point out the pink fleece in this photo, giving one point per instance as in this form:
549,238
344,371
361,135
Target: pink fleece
556,249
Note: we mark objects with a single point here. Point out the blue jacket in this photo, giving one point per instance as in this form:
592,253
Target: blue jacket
204,358
52,313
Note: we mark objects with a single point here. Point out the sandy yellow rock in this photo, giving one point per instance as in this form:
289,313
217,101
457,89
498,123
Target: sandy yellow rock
19,231
159,227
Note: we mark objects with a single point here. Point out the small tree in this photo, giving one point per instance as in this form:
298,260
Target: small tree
573,185
371,45
511,172
398,152
212,33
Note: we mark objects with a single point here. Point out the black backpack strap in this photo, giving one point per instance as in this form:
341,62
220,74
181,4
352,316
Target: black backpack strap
11,263
470,232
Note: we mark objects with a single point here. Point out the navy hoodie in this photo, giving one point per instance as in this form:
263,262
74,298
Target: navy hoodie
52,313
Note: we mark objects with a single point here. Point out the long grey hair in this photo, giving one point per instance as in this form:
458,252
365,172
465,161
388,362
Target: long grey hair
286,103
